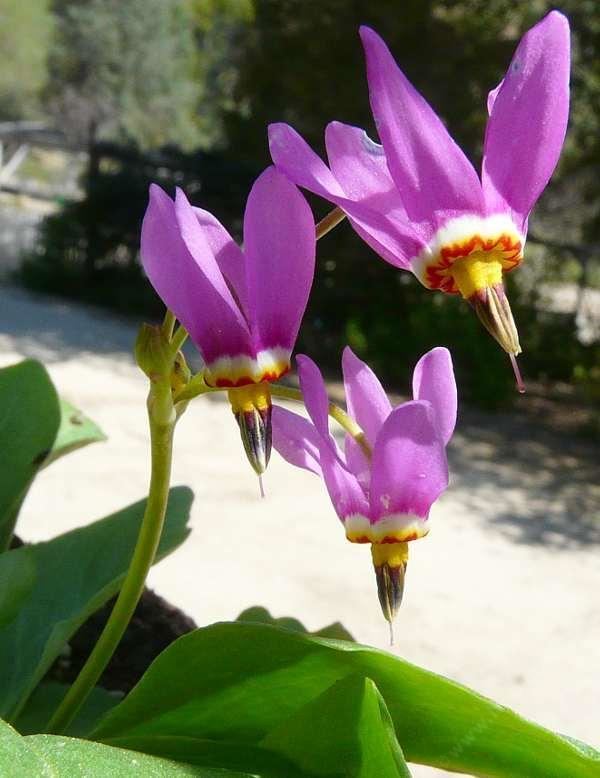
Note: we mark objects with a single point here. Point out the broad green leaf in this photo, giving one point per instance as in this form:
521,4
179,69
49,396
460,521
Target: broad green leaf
347,727
214,754
71,758
52,756
17,759
46,699
76,430
237,682
17,577
259,615
76,573
29,420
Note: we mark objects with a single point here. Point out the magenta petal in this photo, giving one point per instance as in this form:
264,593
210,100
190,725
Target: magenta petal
360,166
433,380
434,178
528,120
409,469
344,489
294,157
295,438
357,462
367,402
314,394
395,242
279,243
182,269
227,253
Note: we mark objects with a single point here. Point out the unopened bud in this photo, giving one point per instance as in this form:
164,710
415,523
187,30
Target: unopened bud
152,351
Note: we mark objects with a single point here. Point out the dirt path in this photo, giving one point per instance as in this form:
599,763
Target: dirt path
502,596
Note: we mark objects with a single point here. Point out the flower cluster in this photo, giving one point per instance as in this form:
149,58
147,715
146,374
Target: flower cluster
419,203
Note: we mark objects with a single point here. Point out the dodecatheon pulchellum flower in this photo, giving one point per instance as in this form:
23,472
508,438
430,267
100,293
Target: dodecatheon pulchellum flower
417,200
384,483
242,308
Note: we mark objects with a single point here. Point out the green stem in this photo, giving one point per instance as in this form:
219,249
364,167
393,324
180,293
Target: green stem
162,422
330,221
168,324
342,418
178,340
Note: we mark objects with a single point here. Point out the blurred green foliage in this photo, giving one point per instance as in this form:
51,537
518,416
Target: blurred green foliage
124,69
25,36
257,61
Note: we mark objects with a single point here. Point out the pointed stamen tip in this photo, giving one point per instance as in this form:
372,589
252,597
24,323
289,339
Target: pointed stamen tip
261,486
517,372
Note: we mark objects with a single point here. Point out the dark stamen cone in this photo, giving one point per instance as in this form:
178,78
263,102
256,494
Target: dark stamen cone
390,561
493,310
251,406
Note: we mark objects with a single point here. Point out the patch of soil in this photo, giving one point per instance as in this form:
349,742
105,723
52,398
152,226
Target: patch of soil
154,626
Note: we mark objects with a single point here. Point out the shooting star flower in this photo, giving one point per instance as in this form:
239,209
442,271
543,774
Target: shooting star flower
241,308
418,201
384,483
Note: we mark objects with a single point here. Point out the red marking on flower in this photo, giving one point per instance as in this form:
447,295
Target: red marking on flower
361,539
269,376
405,538
438,275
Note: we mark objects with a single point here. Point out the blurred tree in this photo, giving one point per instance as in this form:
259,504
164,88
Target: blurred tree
124,70
25,35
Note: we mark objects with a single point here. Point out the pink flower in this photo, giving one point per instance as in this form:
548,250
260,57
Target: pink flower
382,497
242,308
418,201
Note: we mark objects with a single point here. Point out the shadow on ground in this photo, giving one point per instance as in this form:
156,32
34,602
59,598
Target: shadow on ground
533,483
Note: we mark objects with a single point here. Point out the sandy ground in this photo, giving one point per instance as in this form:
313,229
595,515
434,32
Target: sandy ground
502,595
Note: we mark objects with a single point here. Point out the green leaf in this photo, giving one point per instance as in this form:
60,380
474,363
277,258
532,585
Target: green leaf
46,699
259,615
76,430
17,759
348,727
17,577
237,682
51,756
76,573
29,420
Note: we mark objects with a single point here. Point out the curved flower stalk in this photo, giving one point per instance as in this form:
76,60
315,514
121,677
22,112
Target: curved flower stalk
417,200
242,308
382,491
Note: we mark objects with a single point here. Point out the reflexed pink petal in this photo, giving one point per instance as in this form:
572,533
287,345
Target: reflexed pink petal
366,399
357,462
184,273
433,380
279,244
386,235
314,393
409,469
229,256
344,490
295,438
528,120
294,157
434,178
360,166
